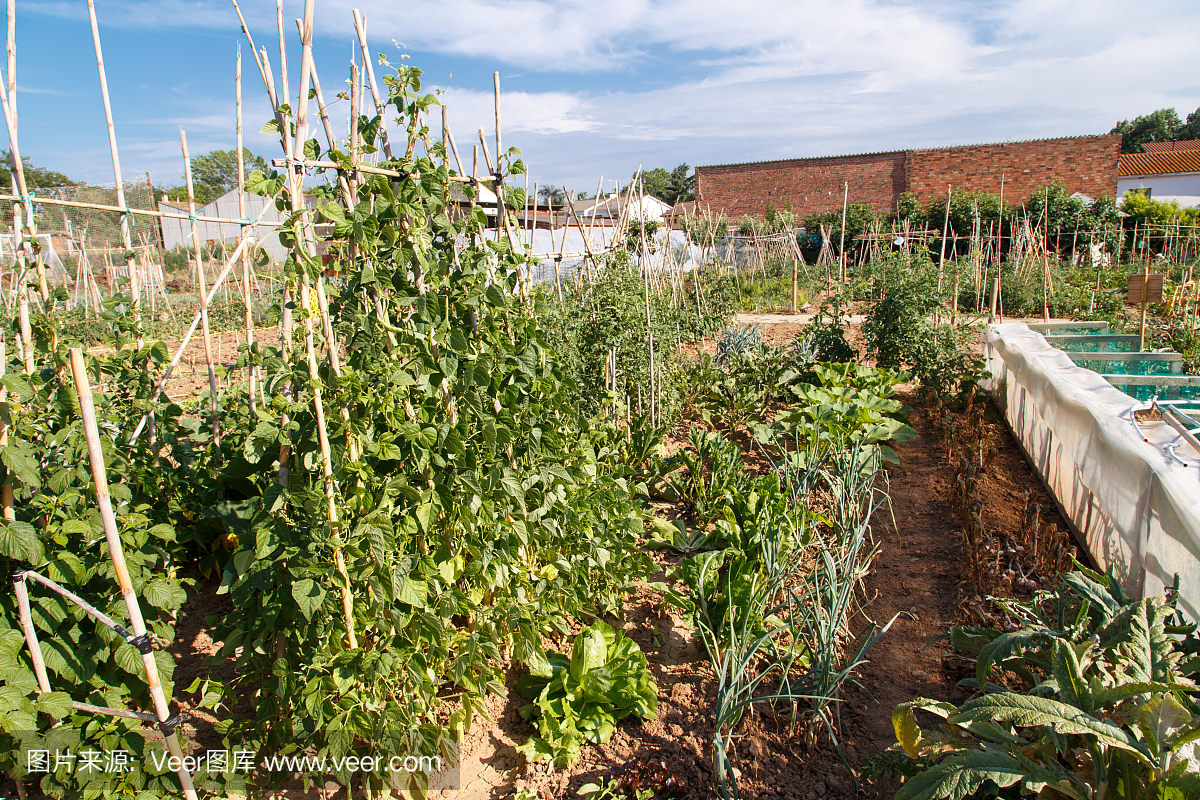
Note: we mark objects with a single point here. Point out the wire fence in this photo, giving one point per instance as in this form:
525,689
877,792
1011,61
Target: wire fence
68,230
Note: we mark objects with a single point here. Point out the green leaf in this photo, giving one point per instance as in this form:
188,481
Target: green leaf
1158,719
21,462
1071,684
129,659
19,542
413,592
1140,630
55,704
308,595
18,386
1028,711
589,652
962,774
164,594
264,437
426,514
1007,645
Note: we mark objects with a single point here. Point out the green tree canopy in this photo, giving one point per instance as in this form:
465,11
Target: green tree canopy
35,177
670,187
1163,125
215,173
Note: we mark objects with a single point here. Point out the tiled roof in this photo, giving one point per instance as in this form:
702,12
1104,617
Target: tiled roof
1159,163
1168,147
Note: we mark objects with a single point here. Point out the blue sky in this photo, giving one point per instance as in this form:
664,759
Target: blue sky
594,89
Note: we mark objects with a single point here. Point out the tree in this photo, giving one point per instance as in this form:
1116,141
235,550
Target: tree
670,187
35,177
1160,126
553,194
215,173
1191,128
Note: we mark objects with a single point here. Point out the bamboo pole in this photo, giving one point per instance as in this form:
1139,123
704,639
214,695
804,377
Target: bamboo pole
264,71
26,329
558,258
453,149
187,337
144,212
12,56
22,189
945,235
200,282
586,245
304,246
360,27
646,288
1046,258
327,125
96,455
19,588
842,244
248,297
126,238
283,61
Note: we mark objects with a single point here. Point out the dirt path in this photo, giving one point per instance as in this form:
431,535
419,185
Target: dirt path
915,577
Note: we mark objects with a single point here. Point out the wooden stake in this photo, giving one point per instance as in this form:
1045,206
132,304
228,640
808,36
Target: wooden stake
1145,305
187,337
116,552
283,62
646,289
945,235
18,170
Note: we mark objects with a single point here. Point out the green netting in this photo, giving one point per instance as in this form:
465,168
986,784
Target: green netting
1082,330
1148,391
1095,347
1140,367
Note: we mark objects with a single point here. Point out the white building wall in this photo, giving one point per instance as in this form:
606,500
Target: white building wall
178,232
1182,187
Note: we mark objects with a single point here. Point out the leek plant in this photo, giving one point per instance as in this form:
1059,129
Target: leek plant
773,608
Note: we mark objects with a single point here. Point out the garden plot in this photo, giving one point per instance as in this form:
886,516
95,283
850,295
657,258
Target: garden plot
450,516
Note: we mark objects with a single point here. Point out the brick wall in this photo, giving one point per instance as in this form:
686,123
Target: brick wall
809,184
1085,164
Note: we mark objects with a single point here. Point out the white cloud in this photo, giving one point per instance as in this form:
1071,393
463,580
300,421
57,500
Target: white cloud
608,86
536,112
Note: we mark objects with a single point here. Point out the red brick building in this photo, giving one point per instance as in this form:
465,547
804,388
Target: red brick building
1085,164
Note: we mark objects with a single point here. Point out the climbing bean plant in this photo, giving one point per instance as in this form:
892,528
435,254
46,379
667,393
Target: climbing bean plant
475,509
470,511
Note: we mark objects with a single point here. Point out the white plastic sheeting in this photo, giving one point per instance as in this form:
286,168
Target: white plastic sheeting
1133,504
599,239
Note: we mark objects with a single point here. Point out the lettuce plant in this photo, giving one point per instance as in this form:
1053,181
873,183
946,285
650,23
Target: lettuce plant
582,698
